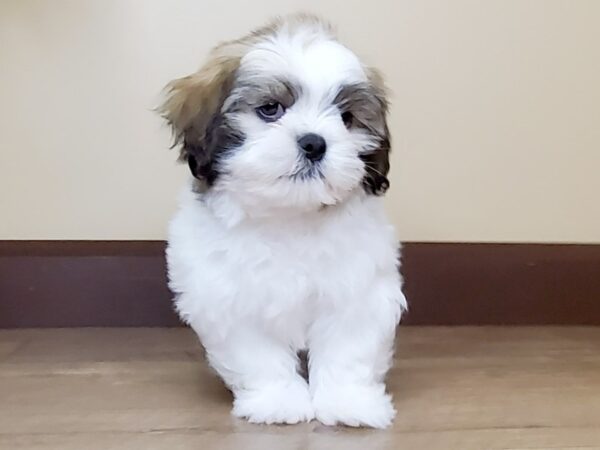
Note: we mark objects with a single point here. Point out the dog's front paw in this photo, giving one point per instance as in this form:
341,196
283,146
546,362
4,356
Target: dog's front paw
276,403
354,405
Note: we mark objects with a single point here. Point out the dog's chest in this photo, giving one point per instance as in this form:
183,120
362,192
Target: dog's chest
321,261
281,265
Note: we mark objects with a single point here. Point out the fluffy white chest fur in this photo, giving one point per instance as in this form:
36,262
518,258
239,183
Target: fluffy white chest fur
281,243
283,274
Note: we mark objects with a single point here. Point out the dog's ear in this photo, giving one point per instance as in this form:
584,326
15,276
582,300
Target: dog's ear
377,163
193,110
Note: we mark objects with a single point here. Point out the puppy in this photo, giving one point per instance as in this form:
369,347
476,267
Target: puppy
281,243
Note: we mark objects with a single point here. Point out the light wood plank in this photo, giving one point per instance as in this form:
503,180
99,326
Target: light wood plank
454,388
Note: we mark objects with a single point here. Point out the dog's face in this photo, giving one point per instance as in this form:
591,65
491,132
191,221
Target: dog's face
286,117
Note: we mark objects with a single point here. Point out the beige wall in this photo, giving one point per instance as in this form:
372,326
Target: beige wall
496,116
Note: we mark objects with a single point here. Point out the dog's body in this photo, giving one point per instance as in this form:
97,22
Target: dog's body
281,243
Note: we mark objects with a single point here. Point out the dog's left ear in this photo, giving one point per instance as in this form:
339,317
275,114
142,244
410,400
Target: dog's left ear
193,109
377,163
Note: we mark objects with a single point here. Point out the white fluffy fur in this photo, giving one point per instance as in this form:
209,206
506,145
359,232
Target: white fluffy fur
264,265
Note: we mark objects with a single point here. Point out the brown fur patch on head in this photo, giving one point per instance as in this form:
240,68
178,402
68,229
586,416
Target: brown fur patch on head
378,162
193,101
368,105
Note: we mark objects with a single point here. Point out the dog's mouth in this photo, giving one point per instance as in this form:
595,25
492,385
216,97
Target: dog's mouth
304,170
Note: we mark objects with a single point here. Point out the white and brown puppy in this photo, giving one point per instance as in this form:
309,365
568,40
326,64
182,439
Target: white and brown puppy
281,243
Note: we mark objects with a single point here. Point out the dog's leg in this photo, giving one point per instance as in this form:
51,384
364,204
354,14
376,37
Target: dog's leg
350,351
262,372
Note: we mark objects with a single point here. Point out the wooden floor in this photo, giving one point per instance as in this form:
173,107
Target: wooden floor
454,388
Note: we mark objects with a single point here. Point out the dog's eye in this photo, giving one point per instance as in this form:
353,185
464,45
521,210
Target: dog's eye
271,111
347,118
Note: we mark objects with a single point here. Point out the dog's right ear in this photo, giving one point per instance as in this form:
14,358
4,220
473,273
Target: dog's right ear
193,110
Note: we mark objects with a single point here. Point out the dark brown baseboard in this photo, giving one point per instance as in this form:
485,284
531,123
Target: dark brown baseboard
123,283
502,284
84,284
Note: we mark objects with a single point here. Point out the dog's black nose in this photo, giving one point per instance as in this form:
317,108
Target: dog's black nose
313,145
